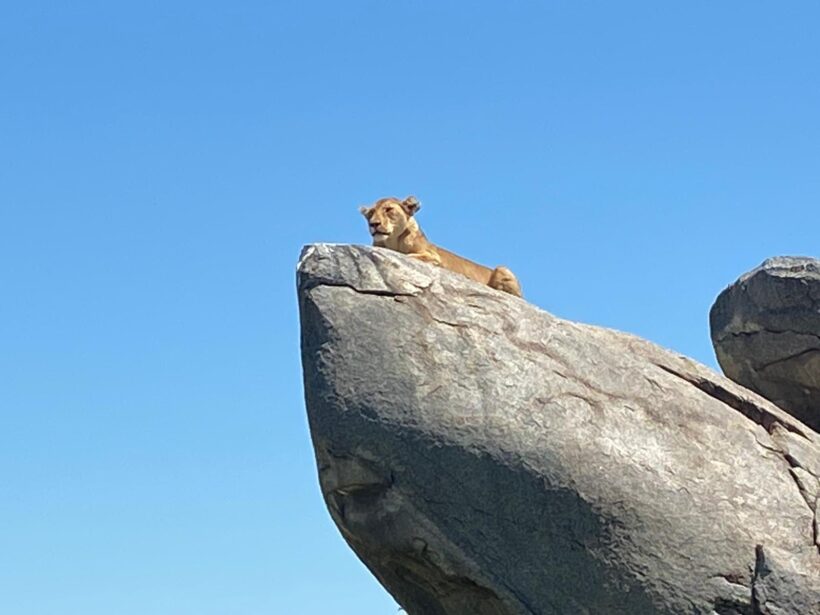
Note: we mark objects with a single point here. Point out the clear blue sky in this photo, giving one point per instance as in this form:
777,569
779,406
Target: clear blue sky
162,163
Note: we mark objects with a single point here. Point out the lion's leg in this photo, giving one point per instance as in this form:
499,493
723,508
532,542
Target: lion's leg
503,279
427,257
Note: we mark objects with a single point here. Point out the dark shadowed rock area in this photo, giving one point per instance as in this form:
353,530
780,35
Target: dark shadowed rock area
766,333
483,457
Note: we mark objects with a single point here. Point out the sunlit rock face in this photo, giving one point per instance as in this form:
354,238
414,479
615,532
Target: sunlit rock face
483,457
766,333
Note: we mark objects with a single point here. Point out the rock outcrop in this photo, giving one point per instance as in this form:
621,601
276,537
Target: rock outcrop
766,333
483,457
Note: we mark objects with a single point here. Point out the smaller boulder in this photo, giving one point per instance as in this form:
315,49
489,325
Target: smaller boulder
766,332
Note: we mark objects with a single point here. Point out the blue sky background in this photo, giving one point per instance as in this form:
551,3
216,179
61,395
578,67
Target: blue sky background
162,163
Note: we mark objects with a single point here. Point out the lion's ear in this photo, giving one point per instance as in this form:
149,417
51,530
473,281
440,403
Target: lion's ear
366,211
410,205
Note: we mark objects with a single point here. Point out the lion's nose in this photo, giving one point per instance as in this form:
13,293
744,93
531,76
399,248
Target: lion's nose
374,226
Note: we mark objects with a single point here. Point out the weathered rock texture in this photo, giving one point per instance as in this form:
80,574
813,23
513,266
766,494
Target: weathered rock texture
766,333
483,457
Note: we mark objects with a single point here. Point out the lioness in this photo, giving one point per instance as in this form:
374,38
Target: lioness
393,226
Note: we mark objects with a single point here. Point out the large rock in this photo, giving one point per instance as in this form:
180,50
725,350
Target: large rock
483,457
766,333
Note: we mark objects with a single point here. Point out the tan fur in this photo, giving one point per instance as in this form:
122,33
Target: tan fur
392,225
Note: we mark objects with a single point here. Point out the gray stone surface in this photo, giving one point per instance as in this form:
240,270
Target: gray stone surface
483,457
766,333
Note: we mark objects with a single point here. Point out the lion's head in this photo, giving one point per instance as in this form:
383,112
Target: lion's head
389,217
